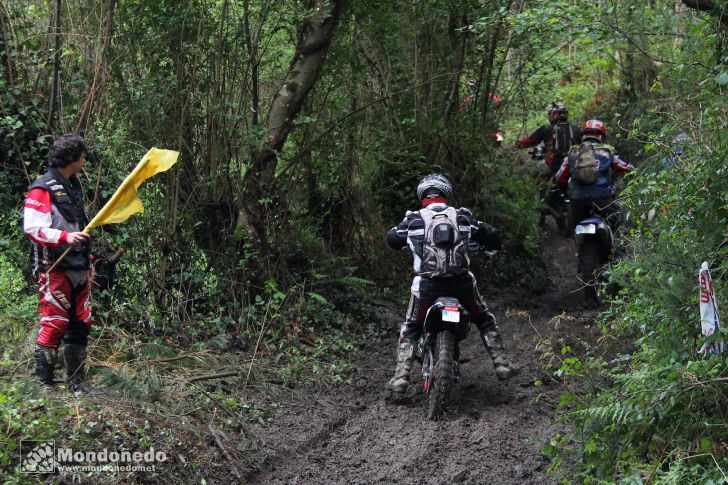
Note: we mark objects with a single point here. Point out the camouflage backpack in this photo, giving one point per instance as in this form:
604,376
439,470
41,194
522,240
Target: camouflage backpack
585,164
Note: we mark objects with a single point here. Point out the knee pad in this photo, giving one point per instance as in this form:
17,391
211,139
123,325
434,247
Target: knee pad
410,331
77,333
487,323
493,340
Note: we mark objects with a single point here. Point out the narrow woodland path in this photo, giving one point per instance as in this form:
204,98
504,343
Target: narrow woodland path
492,433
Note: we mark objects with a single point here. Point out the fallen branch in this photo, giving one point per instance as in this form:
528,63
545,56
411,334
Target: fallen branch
178,357
308,341
217,402
207,377
12,374
225,452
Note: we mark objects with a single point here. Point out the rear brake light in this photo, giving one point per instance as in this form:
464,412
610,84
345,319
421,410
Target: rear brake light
452,308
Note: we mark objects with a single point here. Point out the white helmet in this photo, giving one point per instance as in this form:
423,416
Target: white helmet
434,181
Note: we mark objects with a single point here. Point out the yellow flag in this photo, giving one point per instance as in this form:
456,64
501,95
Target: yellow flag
125,201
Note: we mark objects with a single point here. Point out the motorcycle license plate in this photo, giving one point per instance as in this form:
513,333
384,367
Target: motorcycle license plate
451,314
586,229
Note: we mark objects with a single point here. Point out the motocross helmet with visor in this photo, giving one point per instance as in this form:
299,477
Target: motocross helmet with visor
551,114
434,185
595,130
560,112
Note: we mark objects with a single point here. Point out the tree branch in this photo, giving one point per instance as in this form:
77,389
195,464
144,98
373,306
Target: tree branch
313,45
711,7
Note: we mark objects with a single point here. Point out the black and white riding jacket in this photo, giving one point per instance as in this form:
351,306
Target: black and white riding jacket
411,232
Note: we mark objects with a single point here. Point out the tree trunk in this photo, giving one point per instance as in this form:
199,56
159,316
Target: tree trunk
458,40
489,63
252,45
55,86
313,45
7,60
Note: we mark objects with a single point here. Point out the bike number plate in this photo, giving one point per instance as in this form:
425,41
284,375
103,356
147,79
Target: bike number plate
586,229
450,315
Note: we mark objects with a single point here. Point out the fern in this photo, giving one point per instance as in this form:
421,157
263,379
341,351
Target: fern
143,387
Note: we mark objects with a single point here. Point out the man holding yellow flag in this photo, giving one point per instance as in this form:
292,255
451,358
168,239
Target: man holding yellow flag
61,251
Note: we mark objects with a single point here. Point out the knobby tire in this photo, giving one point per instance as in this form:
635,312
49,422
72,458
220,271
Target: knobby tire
441,374
591,265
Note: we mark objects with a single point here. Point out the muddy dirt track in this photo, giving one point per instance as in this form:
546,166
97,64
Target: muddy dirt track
492,433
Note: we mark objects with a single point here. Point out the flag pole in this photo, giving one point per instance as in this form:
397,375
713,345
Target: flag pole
89,226
65,253
129,183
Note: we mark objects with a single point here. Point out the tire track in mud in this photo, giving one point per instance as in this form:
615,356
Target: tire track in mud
492,433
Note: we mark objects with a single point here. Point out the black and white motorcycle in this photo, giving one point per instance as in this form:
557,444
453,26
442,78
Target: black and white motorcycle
446,324
554,201
595,248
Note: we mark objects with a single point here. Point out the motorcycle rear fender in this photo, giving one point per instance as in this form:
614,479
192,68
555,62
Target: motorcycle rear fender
434,324
603,234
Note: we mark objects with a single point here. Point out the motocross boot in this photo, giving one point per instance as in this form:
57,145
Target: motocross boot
75,357
405,358
45,358
493,341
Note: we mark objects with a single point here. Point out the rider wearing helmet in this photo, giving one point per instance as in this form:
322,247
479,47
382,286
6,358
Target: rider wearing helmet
558,136
596,197
432,281
553,115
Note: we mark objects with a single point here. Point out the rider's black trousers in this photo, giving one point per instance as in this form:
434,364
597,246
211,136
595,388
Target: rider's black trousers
580,209
426,290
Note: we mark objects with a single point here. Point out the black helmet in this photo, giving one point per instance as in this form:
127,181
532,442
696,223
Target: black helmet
558,112
550,114
435,185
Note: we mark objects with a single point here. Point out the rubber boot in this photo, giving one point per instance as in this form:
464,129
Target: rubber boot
45,358
493,341
75,357
405,358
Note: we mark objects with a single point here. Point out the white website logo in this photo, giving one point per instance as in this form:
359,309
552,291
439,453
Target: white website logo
37,456
43,457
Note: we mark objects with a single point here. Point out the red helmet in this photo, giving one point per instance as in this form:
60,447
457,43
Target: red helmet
594,129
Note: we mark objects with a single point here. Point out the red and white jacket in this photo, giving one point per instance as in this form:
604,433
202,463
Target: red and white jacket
53,209
38,219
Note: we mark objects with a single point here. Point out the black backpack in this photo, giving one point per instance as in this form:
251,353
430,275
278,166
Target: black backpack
563,138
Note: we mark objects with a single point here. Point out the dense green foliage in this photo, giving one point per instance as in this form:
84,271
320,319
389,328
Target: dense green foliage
655,411
199,78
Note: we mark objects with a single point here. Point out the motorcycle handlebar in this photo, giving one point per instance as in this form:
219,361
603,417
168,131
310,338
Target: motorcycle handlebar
477,248
472,246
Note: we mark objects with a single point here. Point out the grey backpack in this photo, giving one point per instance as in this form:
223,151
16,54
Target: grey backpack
445,250
585,164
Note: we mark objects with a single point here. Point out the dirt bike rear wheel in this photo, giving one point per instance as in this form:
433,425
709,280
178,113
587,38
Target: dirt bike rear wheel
590,260
562,224
441,374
